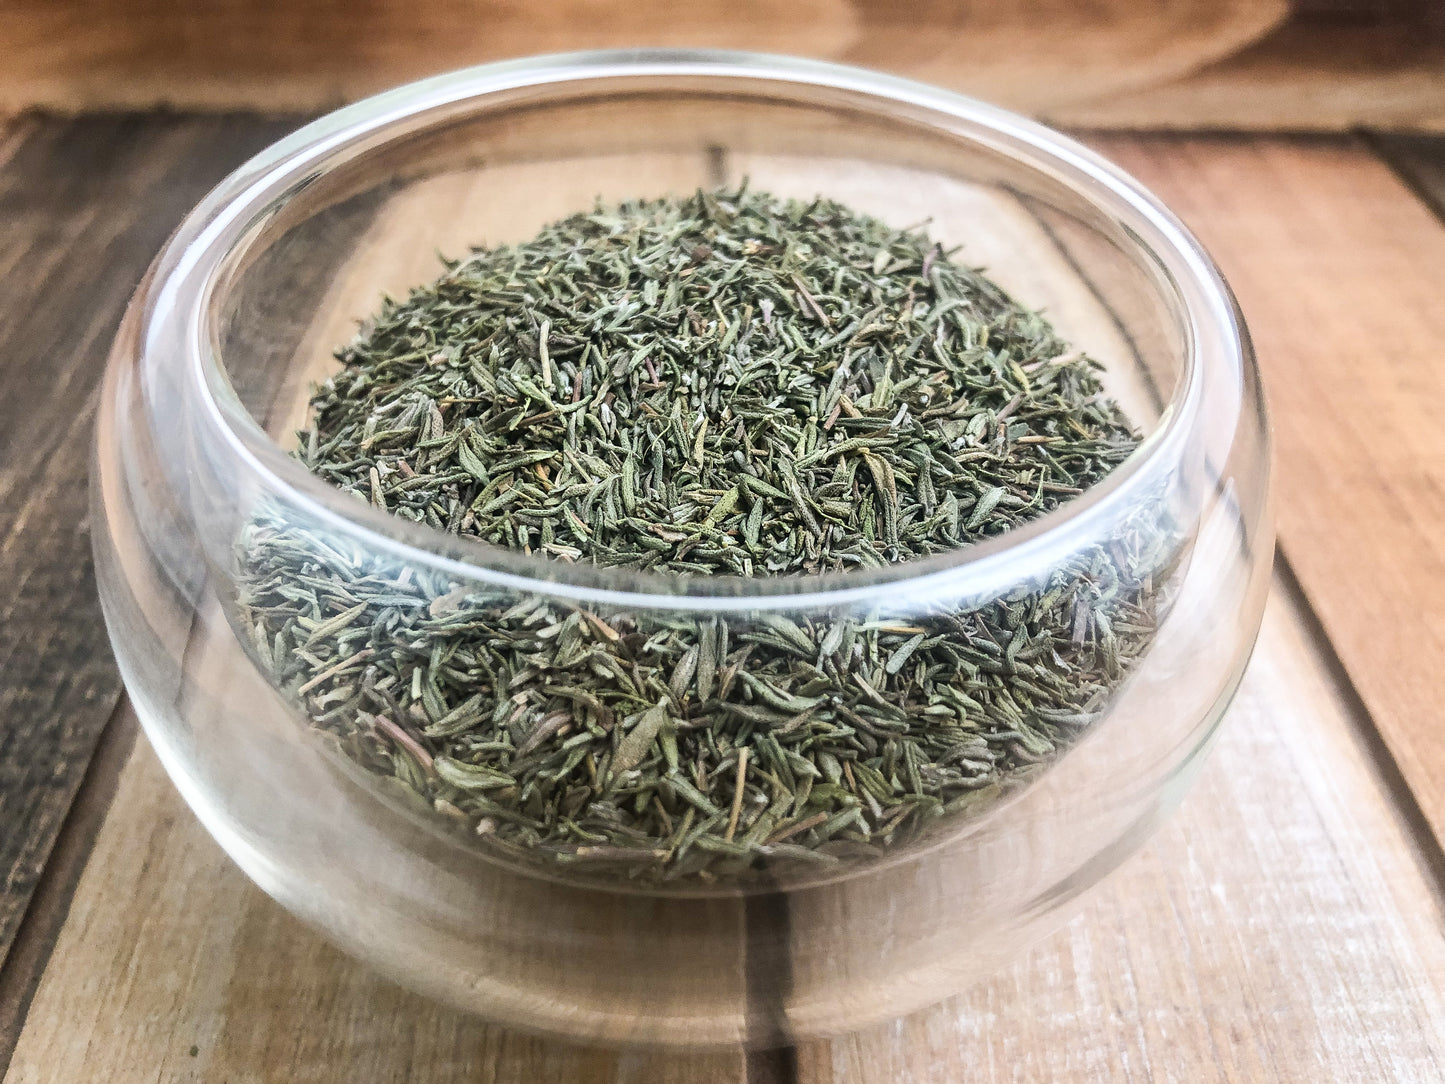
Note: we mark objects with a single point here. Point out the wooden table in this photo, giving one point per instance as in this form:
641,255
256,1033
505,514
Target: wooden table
1285,926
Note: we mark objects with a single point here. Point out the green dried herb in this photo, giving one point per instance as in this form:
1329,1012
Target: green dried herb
727,384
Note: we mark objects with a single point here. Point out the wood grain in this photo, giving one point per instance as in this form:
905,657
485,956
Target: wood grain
1320,76
1334,65
1278,929
76,54
50,901
1338,268
85,205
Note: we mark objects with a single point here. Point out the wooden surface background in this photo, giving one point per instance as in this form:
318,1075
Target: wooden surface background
1254,64
1285,926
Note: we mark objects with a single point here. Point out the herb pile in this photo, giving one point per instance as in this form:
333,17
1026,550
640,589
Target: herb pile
729,384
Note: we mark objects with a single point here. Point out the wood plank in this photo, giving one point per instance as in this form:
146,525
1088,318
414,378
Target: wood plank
50,903
1180,64
79,54
85,205
1306,76
1337,266
1279,928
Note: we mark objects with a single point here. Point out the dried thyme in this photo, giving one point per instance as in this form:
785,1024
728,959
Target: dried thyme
729,384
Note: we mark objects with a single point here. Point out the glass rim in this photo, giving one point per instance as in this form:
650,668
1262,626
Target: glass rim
188,277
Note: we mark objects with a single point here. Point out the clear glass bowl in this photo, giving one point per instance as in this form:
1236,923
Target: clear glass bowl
1165,563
